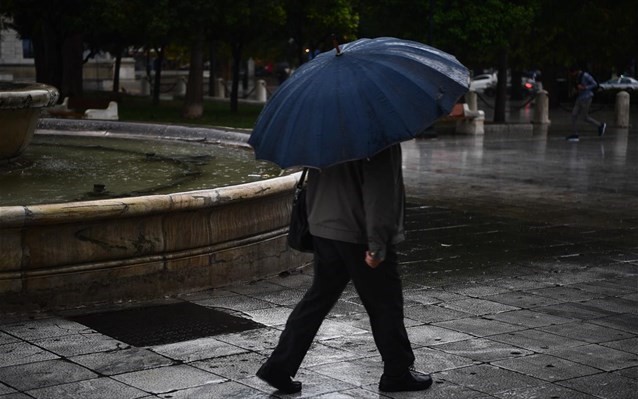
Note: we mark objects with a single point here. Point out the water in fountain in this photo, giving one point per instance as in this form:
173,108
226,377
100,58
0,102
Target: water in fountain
65,168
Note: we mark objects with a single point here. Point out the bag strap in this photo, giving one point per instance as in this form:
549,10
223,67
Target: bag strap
302,179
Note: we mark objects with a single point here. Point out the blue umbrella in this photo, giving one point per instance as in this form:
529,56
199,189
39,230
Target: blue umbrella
353,102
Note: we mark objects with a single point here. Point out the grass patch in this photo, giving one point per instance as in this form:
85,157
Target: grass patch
216,112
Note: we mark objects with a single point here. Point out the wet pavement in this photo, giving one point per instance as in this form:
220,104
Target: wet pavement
520,281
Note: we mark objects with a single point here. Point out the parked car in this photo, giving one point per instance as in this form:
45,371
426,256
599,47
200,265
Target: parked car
484,82
621,83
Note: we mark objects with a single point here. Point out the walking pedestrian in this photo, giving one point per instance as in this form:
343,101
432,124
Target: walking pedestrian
585,86
355,213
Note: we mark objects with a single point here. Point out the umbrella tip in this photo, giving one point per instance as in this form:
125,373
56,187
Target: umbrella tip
335,43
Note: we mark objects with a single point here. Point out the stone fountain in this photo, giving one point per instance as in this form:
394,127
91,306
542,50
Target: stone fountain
105,251
20,106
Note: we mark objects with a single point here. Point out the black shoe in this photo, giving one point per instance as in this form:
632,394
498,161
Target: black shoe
573,137
409,381
278,379
602,128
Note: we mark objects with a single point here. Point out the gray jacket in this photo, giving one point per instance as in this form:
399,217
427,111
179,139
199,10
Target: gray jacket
360,201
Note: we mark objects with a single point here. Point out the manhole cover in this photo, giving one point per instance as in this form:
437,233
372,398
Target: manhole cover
165,324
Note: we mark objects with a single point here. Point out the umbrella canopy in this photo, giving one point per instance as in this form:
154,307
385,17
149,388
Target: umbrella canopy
353,102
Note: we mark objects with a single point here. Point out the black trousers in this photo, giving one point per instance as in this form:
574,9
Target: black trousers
335,264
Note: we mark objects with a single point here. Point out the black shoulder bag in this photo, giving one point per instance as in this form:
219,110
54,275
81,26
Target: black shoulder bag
299,236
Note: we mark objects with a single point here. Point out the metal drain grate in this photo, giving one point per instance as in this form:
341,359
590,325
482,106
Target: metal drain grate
165,324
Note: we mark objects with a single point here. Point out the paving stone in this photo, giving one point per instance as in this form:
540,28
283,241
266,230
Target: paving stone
356,393
543,391
345,308
45,328
97,388
600,357
587,332
479,326
43,374
255,340
16,395
430,296
523,300
166,379
476,290
489,379
255,288
122,361
358,372
625,322
482,350
564,294
314,384
616,305
80,344
23,352
332,328
319,354
238,303
433,360
575,311
426,335
284,297
546,367
627,345
234,367
362,344
605,288
604,385
5,389
519,284
536,340
440,389
433,313
631,372
530,319
276,316
479,307
7,339
197,349
229,389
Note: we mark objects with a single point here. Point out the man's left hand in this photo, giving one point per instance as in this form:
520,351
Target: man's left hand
371,261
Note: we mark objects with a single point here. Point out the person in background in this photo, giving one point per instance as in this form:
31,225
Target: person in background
355,214
585,86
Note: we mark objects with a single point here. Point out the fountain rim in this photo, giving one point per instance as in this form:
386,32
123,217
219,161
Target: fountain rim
17,95
26,215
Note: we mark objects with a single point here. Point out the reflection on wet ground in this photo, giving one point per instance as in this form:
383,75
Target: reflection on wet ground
509,200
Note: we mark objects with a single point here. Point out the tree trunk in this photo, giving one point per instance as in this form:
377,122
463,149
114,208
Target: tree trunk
516,92
157,83
234,95
73,65
116,72
501,87
212,63
194,99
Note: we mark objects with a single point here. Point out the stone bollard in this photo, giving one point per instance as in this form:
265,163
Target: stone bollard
471,98
261,91
180,87
145,87
622,109
541,111
220,89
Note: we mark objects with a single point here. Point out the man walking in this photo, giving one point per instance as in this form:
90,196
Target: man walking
355,213
585,87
